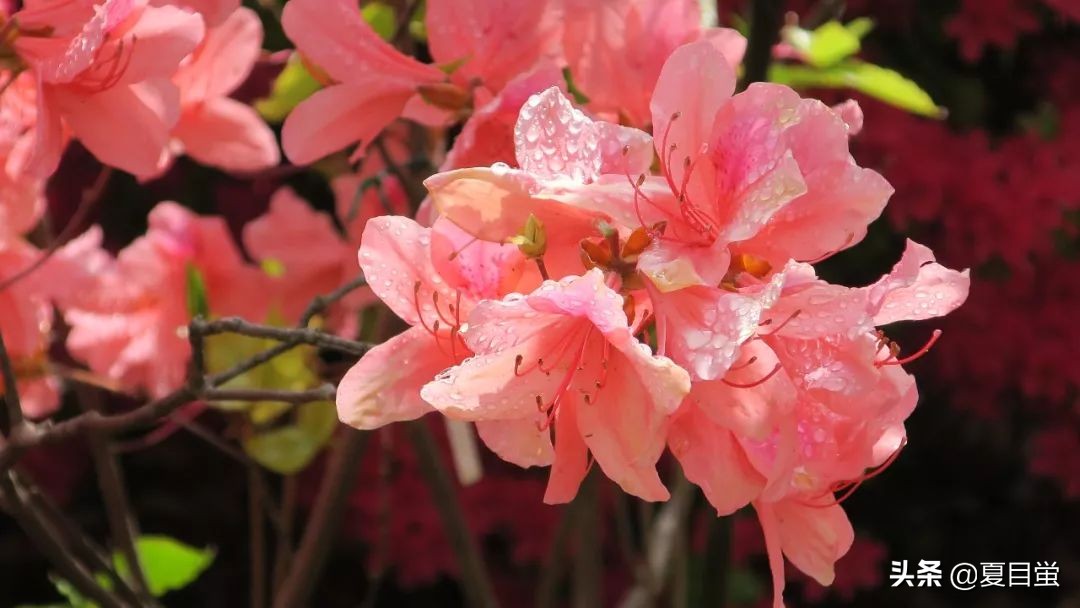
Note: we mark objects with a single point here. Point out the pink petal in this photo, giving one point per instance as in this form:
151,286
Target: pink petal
751,413
714,461
477,269
518,441
695,83
125,126
813,539
918,288
705,326
340,115
571,462
395,256
625,151
334,35
553,139
229,135
384,386
307,246
497,39
223,60
159,40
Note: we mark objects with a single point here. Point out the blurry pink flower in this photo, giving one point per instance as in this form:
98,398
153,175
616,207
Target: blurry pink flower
21,196
213,12
214,129
306,254
103,70
131,327
564,357
616,48
26,311
483,45
431,278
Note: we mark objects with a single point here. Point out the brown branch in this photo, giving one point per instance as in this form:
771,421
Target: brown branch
474,574
321,303
48,541
322,393
236,325
90,196
321,530
765,21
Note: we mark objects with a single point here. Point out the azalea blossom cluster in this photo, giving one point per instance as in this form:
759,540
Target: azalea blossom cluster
605,268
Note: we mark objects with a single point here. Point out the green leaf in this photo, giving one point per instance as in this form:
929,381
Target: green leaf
578,95
293,85
167,563
197,304
860,27
288,449
532,240
878,82
380,16
825,46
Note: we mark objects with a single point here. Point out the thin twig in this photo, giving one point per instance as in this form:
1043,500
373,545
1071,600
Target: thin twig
321,393
322,527
48,541
236,325
320,303
474,574
90,196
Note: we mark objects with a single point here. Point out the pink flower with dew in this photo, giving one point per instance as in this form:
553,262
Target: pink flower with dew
616,48
214,129
815,400
431,278
102,70
213,12
131,327
558,149
564,357
483,46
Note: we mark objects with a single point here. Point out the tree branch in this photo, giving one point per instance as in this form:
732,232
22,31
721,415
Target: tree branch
661,545
321,530
477,584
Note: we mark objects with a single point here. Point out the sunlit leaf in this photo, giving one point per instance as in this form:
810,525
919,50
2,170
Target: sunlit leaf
873,80
824,46
293,85
288,449
167,563
579,96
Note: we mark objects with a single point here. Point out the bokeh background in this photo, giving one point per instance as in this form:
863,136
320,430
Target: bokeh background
992,470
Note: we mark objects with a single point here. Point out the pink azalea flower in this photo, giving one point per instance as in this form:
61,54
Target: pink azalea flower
616,48
484,45
214,129
431,278
102,69
131,327
559,150
22,198
26,311
307,254
564,357
816,399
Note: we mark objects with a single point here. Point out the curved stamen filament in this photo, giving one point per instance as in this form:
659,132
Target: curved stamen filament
756,382
744,365
892,360
776,329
